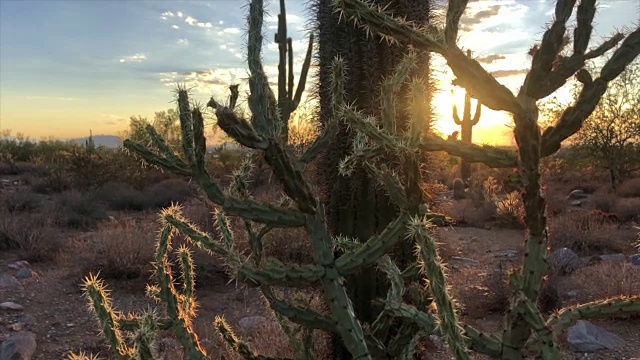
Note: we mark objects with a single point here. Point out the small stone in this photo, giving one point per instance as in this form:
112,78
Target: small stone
575,203
587,337
463,260
577,194
20,346
70,325
24,273
635,260
613,257
17,326
8,305
507,254
571,294
9,282
27,319
18,265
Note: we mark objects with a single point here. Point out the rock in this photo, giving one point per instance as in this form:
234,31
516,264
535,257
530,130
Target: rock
24,273
27,319
634,260
462,260
20,346
587,337
8,305
18,265
613,257
564,261
507,254
9,282
17,326
437,341
252,321
576,203
577,194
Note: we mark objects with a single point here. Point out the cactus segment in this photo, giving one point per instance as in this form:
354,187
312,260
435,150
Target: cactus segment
371,250
434,270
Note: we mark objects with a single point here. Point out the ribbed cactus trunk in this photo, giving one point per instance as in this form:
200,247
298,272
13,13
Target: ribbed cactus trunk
356,206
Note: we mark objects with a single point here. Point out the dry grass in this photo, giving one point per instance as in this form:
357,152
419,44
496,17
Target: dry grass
629,188
34,234
602,281
586,233
118,249
628,209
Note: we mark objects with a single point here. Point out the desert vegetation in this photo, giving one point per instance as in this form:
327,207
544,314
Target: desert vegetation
183,252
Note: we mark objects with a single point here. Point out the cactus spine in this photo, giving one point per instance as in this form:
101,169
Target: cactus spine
525,331
466,123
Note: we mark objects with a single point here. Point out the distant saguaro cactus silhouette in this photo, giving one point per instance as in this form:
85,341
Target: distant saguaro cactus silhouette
466,123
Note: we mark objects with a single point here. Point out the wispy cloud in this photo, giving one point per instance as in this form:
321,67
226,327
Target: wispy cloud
183,42
489,59
505,73
58,98
175,27
134,58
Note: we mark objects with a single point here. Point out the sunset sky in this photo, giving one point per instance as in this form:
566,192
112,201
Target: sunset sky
70,66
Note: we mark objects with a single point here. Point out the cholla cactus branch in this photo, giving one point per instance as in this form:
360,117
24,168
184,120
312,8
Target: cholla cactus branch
582,33
239,129
454,13
365,255
489,155
262,101
186,125
273,272
433,269
100,304
156,160
552,43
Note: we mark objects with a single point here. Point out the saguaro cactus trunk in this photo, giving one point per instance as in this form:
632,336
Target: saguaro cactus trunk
356,206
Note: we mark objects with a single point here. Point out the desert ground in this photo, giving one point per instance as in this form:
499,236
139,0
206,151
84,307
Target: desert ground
55,231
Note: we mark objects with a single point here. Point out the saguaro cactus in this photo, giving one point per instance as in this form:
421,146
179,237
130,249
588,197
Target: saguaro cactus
466,123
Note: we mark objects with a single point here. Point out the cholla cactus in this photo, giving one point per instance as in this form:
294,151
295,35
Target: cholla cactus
525,333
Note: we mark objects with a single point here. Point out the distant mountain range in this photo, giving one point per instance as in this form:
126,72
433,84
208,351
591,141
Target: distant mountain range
113,142
109,141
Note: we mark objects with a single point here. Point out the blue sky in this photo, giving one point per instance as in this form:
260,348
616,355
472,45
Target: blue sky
70,66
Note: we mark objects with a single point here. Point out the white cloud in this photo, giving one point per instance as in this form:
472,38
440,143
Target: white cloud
232,31
204,25
175,27
191,21
180,14
134,58
184,42
167,14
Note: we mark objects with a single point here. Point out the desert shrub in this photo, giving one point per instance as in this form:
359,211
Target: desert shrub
604,201
629,188
55,179
628,209
78,210
22,201
230,158
586,233
119,250
120,196
604,280
33,234
510,210
166,192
